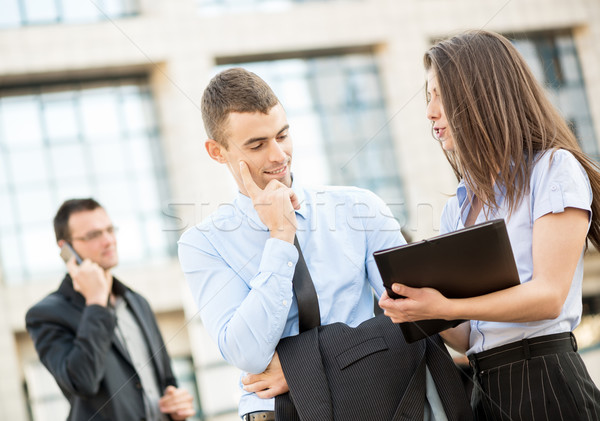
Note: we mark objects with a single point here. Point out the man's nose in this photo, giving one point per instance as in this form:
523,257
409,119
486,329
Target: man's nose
276,153
108,237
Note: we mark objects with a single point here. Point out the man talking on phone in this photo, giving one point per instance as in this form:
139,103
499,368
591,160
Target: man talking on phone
97,337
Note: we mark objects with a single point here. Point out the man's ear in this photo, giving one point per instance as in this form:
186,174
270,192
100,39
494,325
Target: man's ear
215,150
60,243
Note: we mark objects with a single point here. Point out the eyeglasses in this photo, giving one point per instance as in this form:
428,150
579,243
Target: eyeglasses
95,235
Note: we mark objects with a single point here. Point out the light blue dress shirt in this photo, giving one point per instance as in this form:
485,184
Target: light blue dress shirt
555,184
241,279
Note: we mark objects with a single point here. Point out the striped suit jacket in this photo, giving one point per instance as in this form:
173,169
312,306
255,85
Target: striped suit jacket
336,372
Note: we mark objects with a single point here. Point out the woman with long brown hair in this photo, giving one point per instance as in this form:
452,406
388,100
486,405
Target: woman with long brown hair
516,159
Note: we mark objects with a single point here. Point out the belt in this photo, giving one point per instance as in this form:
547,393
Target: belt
522,350
260,416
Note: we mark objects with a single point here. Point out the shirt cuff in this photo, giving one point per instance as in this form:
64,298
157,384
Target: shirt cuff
279,257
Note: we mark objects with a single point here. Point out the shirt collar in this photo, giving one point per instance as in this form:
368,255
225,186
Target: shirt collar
461,192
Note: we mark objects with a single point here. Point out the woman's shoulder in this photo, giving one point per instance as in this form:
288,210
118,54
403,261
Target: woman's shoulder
556,162
558,180
554,158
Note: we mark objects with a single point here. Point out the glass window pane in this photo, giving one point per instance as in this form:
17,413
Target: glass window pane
7,218
117,195
99,108
331,90
40,250
146,192
20,122
28,166
140,156
553,58
34,205
366,88
528,50
40,11
309,155
108,158
155,235
130,235
10,16
4,171
45,398
134,113
74,187
68,161
10,247
81,11
119,7
297,89
59,118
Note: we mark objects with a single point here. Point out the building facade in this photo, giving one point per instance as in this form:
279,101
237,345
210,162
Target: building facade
101,99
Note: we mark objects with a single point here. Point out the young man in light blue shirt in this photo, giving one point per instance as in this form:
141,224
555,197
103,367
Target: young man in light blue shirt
240,261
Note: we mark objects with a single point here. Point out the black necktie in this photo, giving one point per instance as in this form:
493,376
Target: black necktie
306,296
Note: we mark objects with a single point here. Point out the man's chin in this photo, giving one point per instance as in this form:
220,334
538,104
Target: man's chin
110,264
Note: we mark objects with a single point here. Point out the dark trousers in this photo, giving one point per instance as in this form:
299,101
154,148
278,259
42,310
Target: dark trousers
554,386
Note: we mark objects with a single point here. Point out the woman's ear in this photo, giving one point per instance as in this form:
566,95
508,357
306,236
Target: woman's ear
215,150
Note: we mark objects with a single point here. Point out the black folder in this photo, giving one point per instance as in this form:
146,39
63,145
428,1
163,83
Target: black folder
466,263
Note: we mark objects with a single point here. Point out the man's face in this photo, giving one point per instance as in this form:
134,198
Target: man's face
92,237
260,140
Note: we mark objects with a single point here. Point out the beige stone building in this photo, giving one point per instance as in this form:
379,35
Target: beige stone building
101,98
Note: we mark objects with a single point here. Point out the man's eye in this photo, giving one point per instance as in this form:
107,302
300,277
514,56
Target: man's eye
282,137
258,146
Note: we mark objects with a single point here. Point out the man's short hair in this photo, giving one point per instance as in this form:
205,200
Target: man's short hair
69,207
234,90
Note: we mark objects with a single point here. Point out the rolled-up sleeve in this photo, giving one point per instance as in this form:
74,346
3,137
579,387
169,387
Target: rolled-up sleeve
559,182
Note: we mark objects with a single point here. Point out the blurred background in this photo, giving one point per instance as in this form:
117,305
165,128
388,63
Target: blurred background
101,98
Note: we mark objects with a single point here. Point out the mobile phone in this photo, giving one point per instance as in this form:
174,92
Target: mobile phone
66,252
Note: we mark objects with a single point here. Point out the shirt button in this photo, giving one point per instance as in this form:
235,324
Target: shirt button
284,302
290,264
554,188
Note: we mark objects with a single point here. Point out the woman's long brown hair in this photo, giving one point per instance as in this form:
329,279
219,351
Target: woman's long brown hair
500,117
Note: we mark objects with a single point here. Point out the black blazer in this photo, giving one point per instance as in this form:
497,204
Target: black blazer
77,344
336,372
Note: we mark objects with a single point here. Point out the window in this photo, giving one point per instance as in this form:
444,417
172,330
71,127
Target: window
90,139
46,401
183,368
337,120
553,60
17,13
218,6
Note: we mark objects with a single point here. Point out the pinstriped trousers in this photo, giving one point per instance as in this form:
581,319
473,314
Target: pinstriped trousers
546,388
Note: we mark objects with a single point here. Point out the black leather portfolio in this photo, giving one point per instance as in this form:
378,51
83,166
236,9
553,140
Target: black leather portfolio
466,263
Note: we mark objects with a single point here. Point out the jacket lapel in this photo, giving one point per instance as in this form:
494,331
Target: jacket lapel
447,381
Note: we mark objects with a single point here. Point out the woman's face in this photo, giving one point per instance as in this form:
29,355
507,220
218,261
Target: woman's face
435,113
